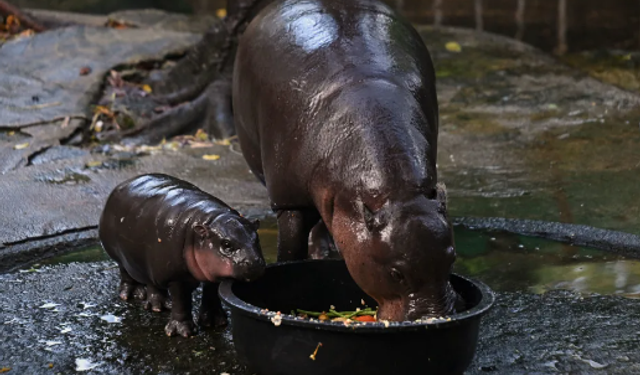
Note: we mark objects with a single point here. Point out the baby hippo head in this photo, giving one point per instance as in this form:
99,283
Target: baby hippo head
226,247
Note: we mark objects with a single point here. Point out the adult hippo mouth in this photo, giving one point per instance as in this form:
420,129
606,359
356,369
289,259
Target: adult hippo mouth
415,307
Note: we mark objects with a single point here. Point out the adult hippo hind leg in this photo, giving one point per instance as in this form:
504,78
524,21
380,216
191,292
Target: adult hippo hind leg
293,233
129,287
211,312
181,322
157,299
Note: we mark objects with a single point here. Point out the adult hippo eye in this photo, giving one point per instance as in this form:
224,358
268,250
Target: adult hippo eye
226,244
397,275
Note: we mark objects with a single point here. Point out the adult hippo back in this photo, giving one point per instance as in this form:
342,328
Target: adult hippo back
336,113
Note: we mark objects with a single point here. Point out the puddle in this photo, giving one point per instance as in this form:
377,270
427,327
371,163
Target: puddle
585,174
506,262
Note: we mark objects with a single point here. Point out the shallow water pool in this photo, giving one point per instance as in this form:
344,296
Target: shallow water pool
506,262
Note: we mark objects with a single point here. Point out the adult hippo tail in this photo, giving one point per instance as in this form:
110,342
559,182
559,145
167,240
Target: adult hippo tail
336,112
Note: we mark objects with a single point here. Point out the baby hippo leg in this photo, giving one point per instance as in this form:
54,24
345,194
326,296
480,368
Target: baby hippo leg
181,322
157,299
211,312
129,287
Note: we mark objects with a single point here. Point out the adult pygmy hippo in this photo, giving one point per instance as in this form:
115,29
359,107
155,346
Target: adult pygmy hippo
336,113
166,233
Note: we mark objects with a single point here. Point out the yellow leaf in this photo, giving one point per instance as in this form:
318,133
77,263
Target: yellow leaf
5,369
221,13
93,164
453,47
11,133
211,157
201,135
147,89
224,142
21,146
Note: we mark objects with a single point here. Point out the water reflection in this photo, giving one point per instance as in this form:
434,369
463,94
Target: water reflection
506,262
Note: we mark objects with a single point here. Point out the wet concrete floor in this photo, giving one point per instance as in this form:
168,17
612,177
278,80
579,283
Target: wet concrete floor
547,319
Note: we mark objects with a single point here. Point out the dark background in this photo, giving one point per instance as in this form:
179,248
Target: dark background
588,24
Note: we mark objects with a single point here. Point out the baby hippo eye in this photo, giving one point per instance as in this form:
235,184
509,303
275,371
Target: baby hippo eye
226,244
397,275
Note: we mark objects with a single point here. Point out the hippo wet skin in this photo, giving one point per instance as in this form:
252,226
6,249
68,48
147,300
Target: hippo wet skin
336,112
168,235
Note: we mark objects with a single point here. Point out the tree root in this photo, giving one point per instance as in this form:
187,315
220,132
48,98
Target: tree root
29,22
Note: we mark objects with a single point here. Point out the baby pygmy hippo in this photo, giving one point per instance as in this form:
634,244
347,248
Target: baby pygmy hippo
166,234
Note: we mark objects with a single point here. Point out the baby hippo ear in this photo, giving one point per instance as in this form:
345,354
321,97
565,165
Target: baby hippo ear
201,231
256,224
441,197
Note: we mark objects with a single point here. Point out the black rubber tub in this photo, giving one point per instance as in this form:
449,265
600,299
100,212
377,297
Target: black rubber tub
282,344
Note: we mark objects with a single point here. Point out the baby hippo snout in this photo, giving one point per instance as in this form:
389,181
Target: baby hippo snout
251,269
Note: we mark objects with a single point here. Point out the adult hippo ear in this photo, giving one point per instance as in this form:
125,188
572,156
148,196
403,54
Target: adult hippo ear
441,197
201,231
256,224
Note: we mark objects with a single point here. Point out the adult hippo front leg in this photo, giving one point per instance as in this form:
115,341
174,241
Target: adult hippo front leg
211,312
321,244
293,233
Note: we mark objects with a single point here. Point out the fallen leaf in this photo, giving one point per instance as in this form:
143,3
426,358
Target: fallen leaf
201,135
118,25
200,144
26,33
85,71
5,369
103,110
50,365
453,47
224,142
93,164
21,146
99,126
211,157
11,133
221,13
147,89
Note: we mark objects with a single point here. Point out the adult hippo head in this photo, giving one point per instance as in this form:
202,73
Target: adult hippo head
401,254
